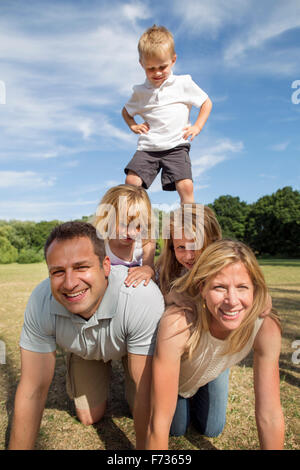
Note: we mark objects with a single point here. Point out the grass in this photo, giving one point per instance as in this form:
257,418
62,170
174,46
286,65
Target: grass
61,430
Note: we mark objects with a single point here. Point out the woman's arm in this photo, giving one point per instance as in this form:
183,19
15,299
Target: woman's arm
171,340
268,411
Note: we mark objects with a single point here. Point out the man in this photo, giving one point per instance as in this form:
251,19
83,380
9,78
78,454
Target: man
85,308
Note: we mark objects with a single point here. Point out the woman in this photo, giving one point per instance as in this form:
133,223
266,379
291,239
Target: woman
212,322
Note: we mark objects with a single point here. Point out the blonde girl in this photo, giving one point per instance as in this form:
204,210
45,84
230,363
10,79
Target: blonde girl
123,220
212,322
192,228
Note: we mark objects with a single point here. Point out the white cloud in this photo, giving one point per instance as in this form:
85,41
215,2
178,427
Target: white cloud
135,11
67,77
248,27
26,179
156,185
214,155
203,17
279,18
167,207
281,147
45,210
268,177
110,183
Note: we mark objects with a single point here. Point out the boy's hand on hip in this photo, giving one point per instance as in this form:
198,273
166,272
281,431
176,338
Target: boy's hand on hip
140,128
191,131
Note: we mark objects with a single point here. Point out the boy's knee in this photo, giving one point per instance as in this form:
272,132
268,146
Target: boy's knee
133,178
185,189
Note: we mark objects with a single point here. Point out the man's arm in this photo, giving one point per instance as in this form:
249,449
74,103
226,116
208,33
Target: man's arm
140,371
37,371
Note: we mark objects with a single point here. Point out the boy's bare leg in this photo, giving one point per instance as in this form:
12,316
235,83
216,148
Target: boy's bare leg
133,178
185,189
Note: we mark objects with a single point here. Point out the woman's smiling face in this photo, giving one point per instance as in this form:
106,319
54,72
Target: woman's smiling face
228,296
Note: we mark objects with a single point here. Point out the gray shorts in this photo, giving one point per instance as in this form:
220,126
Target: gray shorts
175,164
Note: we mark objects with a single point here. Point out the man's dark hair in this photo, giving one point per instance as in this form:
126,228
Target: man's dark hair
74,229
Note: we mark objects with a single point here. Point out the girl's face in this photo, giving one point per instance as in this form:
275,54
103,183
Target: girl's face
228,297
183,253
127,234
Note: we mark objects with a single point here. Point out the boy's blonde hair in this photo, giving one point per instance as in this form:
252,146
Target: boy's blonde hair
213,259
156,42
205,230
126,204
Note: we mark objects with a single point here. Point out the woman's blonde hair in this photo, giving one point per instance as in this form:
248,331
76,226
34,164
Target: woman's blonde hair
156,41
123,204
200,224
213,259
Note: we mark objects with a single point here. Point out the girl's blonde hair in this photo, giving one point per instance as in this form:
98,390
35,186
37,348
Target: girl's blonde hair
200,224
156,41
123,204
213,259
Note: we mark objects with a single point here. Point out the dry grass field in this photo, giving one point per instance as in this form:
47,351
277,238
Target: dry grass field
60,428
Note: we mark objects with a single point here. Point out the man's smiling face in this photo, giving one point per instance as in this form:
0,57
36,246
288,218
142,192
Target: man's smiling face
78,281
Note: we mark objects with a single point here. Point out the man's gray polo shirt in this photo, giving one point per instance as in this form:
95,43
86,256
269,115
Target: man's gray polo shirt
125,321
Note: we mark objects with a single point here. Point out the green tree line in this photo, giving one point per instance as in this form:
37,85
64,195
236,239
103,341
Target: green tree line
271,226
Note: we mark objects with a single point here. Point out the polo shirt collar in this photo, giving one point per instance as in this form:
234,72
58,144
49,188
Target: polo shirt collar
106,309
170,79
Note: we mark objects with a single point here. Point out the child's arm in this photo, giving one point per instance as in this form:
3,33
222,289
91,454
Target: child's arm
143,273
136,128
200,121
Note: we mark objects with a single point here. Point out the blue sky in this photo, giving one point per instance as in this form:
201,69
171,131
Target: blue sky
68,67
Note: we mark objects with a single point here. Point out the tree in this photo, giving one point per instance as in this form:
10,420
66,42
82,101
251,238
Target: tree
273,224
231,214
8,253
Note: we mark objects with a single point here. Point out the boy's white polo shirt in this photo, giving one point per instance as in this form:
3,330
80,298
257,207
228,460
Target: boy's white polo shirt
166,109
125,321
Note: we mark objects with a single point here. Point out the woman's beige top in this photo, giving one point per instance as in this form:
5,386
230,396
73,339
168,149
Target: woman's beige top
208,361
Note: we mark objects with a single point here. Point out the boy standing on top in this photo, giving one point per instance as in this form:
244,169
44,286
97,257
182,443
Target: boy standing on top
164,102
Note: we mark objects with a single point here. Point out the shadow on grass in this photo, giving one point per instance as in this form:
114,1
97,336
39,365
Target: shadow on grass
110,435
198,441
294,263
288,371
11,382
277,290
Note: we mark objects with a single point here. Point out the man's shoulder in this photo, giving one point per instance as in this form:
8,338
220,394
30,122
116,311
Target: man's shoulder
138,295
118,274
42,291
